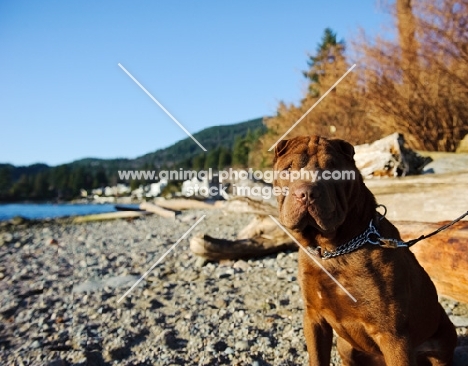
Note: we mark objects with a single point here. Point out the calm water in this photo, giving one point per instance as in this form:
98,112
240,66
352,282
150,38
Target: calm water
50,210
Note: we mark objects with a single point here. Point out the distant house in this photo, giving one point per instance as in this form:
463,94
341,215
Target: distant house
118,190
139,193
155,189
152,190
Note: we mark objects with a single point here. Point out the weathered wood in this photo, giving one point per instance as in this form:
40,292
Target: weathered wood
463,145
444,256
183,204
150,207
388,157
109,216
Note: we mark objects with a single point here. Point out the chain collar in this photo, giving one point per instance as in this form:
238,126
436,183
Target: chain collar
370,235
366,237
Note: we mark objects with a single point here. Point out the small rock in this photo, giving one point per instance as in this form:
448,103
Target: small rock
281,273
18,220
220,303
210,349
7,237
229,351
52,241
242,345
87,286
210,266
121,281
24,328
226,263
35,344
187,218
240,264
224,272
200,262
270,262
459,321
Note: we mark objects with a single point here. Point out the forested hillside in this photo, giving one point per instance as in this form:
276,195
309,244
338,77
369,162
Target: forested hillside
227,145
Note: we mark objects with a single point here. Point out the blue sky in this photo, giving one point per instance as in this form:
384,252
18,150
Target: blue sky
63,97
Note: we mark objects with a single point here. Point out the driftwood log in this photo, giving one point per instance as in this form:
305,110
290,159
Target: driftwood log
110,216
150,207
444,256
388,157
179,204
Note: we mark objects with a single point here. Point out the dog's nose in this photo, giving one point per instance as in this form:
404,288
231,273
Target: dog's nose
303,194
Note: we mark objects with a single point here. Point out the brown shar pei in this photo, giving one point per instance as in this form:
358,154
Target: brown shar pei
395,318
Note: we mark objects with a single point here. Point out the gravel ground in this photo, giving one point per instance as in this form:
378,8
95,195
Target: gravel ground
60,285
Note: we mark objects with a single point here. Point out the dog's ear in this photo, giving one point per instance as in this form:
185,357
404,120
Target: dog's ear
345,147
280,149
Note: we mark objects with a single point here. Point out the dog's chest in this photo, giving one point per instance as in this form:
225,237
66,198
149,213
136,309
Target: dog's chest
320,290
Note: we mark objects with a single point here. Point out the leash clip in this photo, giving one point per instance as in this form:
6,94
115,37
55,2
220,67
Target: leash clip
392,243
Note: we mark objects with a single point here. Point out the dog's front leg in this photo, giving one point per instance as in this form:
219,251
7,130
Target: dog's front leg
397,351
319,335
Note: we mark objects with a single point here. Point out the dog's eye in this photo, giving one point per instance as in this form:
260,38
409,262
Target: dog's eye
284,173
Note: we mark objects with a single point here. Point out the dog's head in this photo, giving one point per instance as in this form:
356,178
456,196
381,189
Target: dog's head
321,177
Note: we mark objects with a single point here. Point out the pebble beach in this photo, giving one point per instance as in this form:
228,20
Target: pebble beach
61,284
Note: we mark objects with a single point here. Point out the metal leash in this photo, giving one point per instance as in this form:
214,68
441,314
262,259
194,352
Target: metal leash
393,243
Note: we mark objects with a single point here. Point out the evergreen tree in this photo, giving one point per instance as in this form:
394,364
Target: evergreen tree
225,158
22,189
100,179
327,52
185,163
5,181
198,162
41,186
212,159
61,180
240,152
77,180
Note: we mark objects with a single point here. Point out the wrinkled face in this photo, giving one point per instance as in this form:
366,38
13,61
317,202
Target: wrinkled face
321,177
